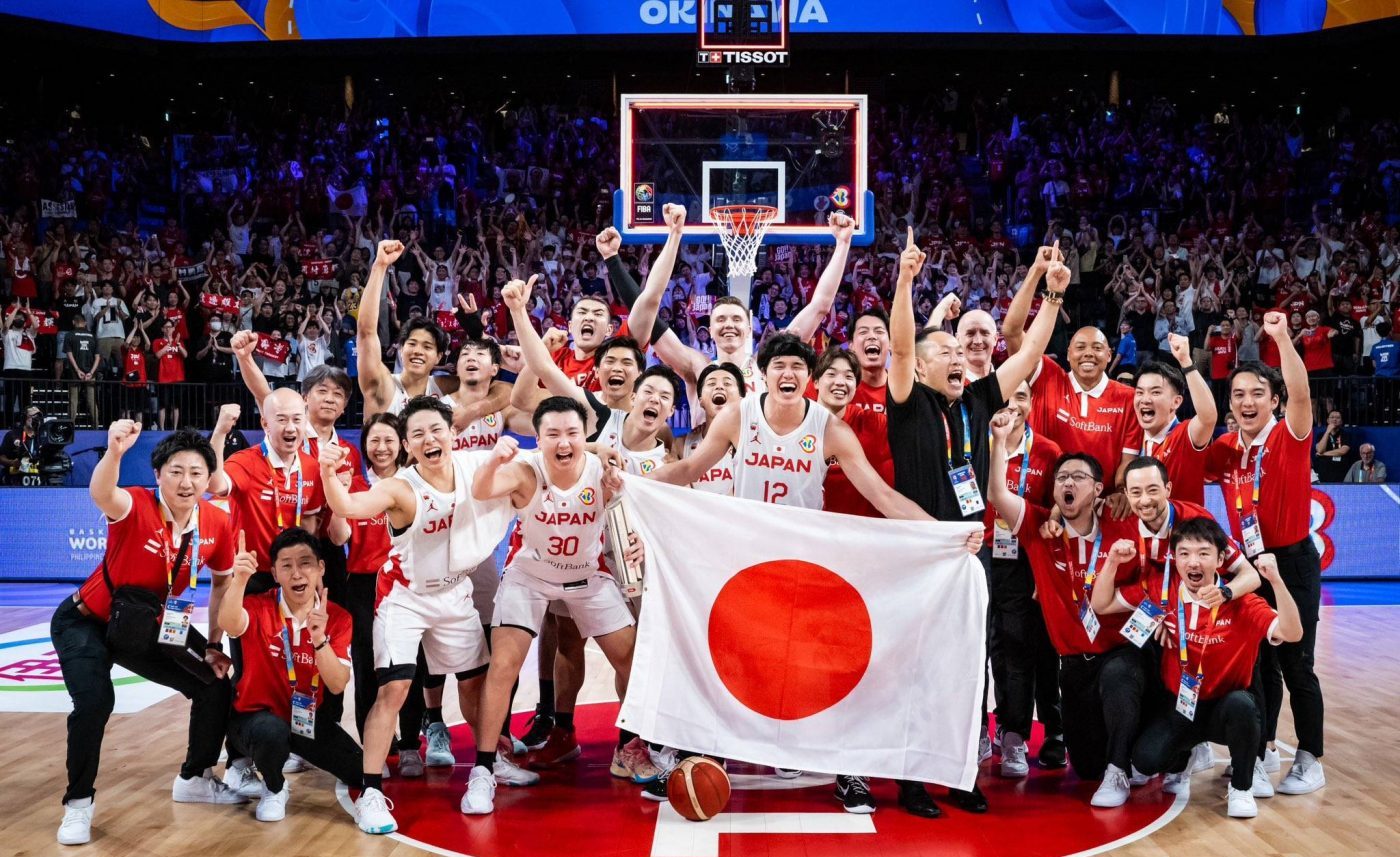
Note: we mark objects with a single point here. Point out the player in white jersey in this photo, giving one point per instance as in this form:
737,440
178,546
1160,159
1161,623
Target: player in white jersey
562,493
719,384
422,345
478,363
783,441
731,328
439,532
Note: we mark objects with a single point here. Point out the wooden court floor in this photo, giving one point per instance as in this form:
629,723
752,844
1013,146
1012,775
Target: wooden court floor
1358,813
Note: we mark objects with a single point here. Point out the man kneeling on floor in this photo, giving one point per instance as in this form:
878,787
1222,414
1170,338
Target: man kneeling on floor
296,646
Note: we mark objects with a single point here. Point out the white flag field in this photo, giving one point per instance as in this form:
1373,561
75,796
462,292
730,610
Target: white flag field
807,640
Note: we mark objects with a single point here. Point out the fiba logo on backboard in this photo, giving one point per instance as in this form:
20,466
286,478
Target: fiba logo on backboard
644,202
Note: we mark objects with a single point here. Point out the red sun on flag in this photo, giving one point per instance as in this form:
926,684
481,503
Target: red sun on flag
789,639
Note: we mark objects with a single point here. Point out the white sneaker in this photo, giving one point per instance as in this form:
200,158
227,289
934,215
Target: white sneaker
1113,791
1272,764
1242,804
203,789
1177,784
410,764
1013,756
984,748
480,798
273,806
76,828
1139,779
1261,787
1202,758
508,773
294,764
786,773
439,747
372,812
1304,777
242,777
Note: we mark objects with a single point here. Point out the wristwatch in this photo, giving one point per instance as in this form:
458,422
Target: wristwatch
214,646
327,640
1225,591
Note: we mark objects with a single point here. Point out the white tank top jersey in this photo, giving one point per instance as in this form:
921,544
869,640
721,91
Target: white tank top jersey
451,533
753,377
719,479
401,397
635,463
482,434
787,470
559,535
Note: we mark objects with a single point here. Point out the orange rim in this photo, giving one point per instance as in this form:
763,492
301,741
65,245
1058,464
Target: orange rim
743,219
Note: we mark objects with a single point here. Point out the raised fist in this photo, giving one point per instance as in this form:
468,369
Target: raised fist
506,449
1275,324
244,343
842,226
1181,348
555,339
228,418
1001,425
609,242
388,253
1122,551
122,435
673,215
330,455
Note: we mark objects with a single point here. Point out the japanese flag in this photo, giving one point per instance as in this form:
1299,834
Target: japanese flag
807,640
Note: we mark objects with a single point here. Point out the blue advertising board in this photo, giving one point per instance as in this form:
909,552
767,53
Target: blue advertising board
57,534
294,20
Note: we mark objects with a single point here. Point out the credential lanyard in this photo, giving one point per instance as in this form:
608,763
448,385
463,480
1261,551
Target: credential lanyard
172,563
1258,473
1166,560
301,481
287,648
966,436
1181,634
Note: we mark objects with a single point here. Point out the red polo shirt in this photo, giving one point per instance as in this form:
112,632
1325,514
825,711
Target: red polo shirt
1060,566
1229,647
838,494
1039,475
141,550
1285,480
581,372
263,683
1186,465
263,496
1100,421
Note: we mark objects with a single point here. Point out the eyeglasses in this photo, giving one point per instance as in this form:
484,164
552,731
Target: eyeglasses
1077,478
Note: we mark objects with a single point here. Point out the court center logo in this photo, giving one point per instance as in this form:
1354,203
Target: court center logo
31,678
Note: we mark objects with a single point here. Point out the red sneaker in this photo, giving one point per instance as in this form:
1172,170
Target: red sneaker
562,746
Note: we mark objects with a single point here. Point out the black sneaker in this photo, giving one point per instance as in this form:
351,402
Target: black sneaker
656,789
538,734
1052,752
915,800
973,801
854,794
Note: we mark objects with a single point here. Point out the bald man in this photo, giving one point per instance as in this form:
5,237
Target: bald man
976,333
274,485
938,418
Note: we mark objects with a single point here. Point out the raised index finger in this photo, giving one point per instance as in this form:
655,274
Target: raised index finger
242,542
910,244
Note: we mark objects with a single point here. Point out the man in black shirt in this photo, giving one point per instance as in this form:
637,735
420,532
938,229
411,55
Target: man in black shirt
1346,345
939,424
83,363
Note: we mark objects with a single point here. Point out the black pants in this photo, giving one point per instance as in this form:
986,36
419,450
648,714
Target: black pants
1025,668
81,644
359,603
261,582
268,740
1102,698
1291,664
1233,720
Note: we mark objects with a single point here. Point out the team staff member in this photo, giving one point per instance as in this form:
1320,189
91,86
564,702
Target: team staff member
1212,642
938,423
1082,408
156,541
1101,675
1264,470
299,649
274,485
1181,446
1025,668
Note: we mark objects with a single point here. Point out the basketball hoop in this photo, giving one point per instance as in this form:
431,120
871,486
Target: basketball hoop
741,228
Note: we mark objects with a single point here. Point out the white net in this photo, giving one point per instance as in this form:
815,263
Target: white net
741,229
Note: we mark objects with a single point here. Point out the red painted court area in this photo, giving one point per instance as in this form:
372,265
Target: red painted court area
582,809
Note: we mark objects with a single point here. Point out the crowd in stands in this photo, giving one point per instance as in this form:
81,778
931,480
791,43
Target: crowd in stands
135,260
